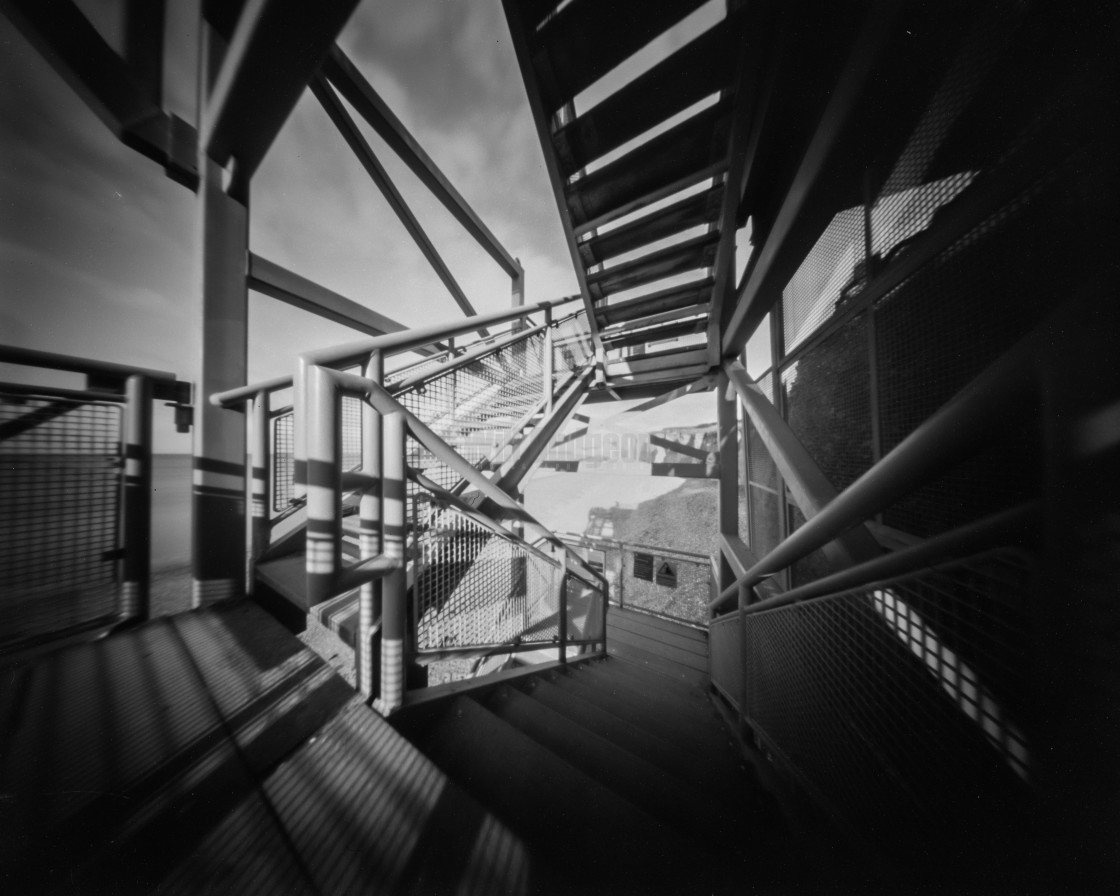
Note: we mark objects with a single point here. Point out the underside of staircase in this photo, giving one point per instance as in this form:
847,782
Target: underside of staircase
212,750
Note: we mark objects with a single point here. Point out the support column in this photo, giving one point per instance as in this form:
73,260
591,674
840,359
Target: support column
369,533
728,473
137,510
218,495
260,470
394,609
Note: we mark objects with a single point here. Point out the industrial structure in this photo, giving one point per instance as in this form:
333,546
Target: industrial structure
906,676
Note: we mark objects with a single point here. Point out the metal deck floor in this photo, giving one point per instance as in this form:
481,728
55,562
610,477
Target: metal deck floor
212,750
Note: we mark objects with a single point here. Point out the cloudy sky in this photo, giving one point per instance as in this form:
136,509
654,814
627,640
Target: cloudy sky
98,248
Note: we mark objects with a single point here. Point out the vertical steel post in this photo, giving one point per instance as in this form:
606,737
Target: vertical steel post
777,354
136,523
549,372
369,530
562,606
324,475
394,610
604,609
218,493
259,461
728,473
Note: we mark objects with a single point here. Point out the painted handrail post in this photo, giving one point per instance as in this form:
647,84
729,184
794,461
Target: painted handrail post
369,528
563,606
260,481
394,612
137,508
299,428
549,362
324,523
604,605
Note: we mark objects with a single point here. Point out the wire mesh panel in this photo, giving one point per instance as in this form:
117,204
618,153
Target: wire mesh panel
475,588
905,705
475,407
60,469
571,345
667,582
830,272
584,604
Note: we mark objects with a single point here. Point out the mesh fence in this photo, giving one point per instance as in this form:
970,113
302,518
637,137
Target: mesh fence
924,679
475,407
475,588
572,349
60,469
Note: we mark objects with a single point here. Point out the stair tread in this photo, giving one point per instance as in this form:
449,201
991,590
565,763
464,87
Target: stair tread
659,628
662,721
665,754
649,787
690,659
649,691
557,809
655,664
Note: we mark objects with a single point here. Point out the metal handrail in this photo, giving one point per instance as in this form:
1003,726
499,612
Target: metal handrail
951,434
353,353
992,532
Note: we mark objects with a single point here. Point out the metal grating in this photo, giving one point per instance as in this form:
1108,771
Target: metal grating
60,474
833,269
475,588
641,586
571,345
827,403
923,679
475,407
585,610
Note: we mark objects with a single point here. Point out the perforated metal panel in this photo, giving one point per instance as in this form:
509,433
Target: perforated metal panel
475,588
60,475
827,403
903,705
475,407
832,270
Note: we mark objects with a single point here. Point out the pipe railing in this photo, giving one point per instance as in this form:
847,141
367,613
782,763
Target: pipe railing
381,481
974,416
135,388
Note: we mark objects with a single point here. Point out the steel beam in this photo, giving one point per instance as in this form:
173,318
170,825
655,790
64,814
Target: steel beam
276,47
218,493
808,485
108,84
542,116
270,279
764,279
359,93
358,145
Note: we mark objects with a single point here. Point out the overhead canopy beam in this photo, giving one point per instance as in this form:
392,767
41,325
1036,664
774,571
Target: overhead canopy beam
276,47
358,145
272,280
108,84
359,93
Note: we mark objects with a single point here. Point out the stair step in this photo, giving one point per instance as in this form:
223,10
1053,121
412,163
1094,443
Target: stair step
659,628
637,780
656,664
667,756
663,720
645,691
653,684
689,657
570,818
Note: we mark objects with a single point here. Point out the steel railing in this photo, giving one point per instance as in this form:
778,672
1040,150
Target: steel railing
448,577
76,475
408,449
